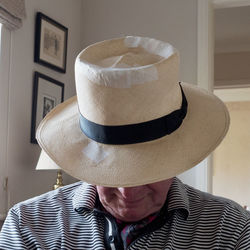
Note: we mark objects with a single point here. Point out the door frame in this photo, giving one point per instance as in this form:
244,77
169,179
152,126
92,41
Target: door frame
205,55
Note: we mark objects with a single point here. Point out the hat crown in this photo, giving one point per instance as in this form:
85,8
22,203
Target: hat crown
127,80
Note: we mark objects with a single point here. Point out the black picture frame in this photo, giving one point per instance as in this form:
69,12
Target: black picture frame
51,39
47,93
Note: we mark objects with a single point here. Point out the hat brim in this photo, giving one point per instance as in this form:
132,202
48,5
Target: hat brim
202,130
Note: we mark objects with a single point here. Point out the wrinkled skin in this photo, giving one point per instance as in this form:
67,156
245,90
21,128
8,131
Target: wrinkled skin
132,204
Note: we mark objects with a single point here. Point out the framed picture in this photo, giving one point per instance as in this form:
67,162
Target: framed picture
47,93
50,43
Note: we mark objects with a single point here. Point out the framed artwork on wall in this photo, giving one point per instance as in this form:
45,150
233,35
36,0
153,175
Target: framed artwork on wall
47,93
51,40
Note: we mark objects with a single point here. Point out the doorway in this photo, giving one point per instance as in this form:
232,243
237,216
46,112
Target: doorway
231,160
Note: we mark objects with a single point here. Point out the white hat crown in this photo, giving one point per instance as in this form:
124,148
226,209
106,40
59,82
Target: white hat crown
127,80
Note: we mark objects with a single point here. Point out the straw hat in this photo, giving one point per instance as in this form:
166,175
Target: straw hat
132,122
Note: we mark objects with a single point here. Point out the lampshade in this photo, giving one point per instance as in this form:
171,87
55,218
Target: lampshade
45,163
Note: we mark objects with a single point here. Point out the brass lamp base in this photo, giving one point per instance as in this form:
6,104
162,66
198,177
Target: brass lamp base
59,180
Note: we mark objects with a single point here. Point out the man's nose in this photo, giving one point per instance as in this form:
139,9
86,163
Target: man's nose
130,192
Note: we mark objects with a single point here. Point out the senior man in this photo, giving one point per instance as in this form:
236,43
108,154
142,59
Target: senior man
132,128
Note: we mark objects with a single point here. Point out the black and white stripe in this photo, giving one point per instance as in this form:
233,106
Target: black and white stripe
66,219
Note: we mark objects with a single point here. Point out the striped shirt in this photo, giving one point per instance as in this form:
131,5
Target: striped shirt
68,219
130,231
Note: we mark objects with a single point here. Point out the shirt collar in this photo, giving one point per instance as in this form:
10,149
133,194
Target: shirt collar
178,198
85,198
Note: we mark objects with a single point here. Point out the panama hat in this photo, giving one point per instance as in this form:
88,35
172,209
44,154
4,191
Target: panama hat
132,121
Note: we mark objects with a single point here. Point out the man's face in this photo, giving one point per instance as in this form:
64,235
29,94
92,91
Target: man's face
134,203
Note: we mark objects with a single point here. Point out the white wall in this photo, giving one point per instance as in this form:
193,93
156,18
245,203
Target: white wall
20,156
174,21
231,172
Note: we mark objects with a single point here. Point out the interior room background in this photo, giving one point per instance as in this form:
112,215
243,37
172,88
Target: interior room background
88,21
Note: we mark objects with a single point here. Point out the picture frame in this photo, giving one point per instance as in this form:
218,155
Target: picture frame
47,93
51,40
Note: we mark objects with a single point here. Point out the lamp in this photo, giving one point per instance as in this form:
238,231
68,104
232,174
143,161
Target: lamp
45,163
